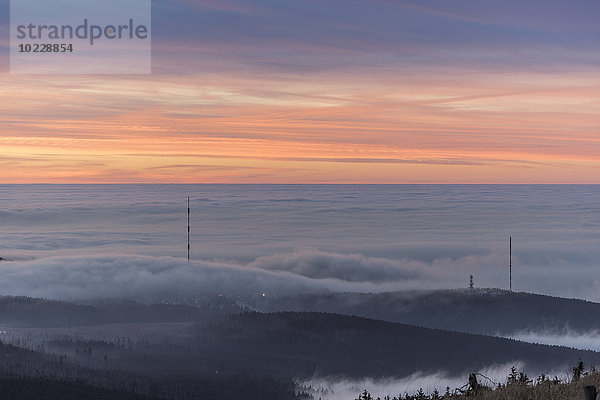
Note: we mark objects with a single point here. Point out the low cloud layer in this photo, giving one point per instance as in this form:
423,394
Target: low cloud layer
149,277
565,337
343,267
300,271
136,277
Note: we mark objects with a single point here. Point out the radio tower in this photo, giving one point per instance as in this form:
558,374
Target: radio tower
188,232
510,262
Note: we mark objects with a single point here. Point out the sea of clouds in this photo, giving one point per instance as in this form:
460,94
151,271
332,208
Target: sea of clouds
72,241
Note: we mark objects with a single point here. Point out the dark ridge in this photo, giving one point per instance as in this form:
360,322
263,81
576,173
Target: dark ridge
482,311
308,343
65,376
26,388
35,312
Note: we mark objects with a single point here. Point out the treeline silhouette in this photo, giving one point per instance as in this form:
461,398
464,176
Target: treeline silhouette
518,385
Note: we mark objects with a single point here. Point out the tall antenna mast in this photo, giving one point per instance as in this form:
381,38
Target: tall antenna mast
510,261
188,232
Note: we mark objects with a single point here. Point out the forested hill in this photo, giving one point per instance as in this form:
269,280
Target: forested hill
35,312
226,352
328,344
30,388
484,311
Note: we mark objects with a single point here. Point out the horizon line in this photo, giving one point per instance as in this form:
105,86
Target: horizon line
294,184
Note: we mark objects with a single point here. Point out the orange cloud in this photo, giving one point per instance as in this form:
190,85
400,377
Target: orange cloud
311,128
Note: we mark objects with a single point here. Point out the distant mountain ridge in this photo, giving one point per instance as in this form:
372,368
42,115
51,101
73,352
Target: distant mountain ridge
35,312
481,311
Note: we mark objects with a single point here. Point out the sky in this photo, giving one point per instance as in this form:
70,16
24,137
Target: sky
323,91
